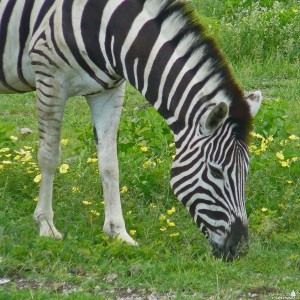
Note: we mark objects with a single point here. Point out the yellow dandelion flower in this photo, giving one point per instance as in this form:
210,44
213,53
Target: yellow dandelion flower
259,136
13,138
162,217
163,229
17,157
132,232
6,162
270,139
285,164
85,202
147,164
95,213
144,149
64,142
293,137
4,150
37,178
171,211
289,181
64,168
8,155
170,223
283,143
264,209
75,189
124,189
174,234
92,160
172,145
294,159
280,155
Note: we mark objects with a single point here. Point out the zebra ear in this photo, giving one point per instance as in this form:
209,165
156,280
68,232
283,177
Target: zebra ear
214,117
254,100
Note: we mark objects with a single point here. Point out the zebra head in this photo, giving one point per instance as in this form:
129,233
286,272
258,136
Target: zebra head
209,174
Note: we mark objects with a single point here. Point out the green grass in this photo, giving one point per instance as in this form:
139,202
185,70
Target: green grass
84,263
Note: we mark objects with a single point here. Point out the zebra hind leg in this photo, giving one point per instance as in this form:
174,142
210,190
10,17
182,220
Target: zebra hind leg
106,110
51,103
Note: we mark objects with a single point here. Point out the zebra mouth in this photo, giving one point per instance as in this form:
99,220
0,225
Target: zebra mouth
236,244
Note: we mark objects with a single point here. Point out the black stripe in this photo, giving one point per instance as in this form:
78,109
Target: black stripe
23,36
43,11
58,51
119,25
3,37
90,30
70,39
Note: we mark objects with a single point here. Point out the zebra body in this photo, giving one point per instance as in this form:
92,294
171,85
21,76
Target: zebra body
74,47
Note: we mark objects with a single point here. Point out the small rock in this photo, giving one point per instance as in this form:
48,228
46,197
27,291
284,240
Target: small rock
4,281
26,131
110,277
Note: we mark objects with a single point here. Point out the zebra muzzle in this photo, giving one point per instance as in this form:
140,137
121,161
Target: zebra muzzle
236,244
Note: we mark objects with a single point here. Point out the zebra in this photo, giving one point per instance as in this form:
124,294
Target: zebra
64,48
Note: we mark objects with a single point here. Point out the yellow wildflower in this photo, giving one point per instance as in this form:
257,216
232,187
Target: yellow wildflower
162,217
13,138
174,234
75,189
1,167
8,155
280,155
171,211
264,209
285,164
128,213
270,139
283,143
63,168
36,199
289,181
95,213
132,232
124,189
4,150
163,229
293,137
144,149
64,142
172,145
152,205
17,157
37,178
170,223
294,159
6,162
85,202
148,164
92,160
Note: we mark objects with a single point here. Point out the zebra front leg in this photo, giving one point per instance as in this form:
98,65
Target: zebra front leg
106,110
50,109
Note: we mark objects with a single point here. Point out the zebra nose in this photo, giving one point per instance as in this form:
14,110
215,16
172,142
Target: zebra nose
236,244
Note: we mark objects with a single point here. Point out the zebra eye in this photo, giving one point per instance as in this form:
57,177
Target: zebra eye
215,172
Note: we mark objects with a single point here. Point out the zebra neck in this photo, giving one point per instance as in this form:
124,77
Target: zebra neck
165,55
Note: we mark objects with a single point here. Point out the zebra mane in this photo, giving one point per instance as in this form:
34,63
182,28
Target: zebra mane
198,39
